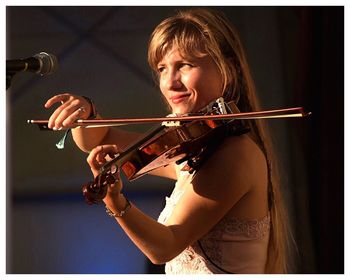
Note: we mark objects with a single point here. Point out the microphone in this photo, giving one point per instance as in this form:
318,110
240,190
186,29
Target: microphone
42,63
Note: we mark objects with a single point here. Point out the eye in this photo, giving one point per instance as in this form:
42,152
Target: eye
186,65
160,69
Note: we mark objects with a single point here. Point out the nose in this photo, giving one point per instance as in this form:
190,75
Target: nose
172,80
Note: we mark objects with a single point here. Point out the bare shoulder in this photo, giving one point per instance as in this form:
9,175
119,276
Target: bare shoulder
239,155
237,167
244,152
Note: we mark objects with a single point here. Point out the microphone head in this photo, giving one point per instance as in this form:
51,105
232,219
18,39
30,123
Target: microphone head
48,63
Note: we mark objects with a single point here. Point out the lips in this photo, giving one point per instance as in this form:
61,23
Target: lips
178,98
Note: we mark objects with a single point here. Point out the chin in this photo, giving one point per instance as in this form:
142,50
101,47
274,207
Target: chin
186,109
182,111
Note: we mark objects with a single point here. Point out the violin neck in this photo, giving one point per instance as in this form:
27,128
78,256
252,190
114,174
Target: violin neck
122,157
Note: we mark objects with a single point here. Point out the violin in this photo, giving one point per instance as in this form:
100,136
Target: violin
188,138
189,142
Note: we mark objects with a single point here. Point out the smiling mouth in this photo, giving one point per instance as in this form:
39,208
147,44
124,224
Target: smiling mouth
176,99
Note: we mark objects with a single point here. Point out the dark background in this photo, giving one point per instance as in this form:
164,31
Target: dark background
297,59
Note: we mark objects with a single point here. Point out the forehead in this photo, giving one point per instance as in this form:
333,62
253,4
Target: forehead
171,54
177,53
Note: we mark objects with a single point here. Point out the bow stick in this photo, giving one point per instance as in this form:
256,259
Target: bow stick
269,114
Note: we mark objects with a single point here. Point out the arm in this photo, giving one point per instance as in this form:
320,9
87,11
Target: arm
88,138
75,107
213,192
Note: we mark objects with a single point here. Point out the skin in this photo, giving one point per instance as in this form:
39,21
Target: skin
188,85
233,181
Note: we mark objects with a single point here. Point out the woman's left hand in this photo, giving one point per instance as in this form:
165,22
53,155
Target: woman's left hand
96,159
99,156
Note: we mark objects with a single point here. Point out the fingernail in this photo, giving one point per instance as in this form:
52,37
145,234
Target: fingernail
54,128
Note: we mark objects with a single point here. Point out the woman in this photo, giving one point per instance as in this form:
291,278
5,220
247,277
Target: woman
228,216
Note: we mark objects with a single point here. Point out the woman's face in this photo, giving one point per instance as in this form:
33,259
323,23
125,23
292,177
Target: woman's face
188,84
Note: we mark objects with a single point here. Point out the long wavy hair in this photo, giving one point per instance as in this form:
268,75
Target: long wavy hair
198,32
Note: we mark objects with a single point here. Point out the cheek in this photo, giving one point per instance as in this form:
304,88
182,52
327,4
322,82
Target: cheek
193,80
162,87
215,84
203,83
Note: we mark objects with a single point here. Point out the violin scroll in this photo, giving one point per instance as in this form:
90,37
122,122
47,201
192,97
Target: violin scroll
95,191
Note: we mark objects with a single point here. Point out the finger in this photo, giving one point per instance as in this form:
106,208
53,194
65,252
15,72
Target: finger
64,100
92,158
68,113
72,108
93,153
111,151
116,187
54,122
97,157
101,158
78,109
106,150
72,115
57,98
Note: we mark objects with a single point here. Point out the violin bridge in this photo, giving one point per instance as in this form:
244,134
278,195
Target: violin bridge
171,123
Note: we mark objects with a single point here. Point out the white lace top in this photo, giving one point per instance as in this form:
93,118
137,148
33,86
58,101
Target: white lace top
233,245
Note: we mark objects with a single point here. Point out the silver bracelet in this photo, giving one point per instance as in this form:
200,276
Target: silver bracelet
121,213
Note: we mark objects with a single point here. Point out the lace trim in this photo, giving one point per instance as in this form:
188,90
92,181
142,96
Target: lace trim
230,227
188,262
250,228
191,260
170,203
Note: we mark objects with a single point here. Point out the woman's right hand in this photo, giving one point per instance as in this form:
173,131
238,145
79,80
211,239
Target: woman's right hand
72,108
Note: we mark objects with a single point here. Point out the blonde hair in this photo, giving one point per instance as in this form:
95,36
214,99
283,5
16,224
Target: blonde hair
198,32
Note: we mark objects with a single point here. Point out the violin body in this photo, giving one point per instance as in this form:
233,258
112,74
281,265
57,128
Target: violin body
190,141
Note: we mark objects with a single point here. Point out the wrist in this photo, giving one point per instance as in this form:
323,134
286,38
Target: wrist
93,111
119,207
